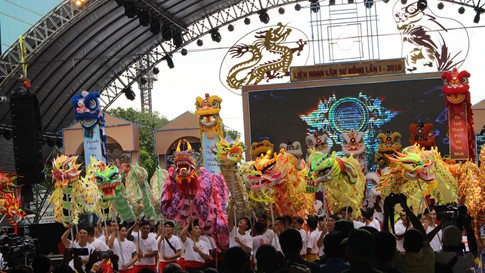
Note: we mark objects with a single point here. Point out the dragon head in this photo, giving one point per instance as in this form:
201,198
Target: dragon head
265,172
261,147
64,169
422,134
324,168
353,142
455,85
412,165
86,108
208,109
293,148
186,174
229,152
108,181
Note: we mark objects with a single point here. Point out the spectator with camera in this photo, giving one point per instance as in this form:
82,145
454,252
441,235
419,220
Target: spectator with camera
452,257
80,244
419,256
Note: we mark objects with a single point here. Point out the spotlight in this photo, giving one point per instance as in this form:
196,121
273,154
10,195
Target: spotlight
143,17
422,4
183,52
166,31
404,2
200,42
297,7
129,93
476,20
156,70
130,9
461,10
155,26
177,37
7,134
230,28
314,6
143,80
247,21
215,35
369,3
79,3
281,10
263,16
441,5
169,61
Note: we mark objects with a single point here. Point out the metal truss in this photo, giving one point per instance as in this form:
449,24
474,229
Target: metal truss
45,30
223,16
478,7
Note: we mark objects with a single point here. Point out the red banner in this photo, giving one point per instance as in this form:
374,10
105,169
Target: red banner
458,131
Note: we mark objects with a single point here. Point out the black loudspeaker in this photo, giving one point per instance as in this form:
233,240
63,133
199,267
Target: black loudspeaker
27,137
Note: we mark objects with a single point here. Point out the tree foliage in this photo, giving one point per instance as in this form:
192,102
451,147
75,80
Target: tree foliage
148,123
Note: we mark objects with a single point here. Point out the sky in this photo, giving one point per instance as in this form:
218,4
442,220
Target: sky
198,72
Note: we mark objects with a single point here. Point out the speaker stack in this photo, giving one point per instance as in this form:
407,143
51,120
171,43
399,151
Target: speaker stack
27,140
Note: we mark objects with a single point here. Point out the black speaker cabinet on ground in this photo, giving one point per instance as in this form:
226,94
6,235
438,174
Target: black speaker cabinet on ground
27,137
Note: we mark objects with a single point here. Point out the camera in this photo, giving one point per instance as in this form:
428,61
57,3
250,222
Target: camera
459,215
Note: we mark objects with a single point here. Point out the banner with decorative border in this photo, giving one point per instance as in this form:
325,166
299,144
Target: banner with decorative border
458,131
341,70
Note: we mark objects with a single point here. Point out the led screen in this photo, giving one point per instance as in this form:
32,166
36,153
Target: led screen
284,115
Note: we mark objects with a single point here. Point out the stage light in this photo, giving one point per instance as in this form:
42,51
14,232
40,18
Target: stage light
166,31
297,7
247,21
263,16
169,61
79,3
156,70
143,17
476,20
368,3
200,42
461,10
314,6
183,52
441,5
143,80
130,9
230,28
404,2
215,35
155,26
281,10
129,93
177,37
422,4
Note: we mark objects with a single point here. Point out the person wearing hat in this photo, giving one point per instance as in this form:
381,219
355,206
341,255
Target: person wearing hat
169,246
359,248
452,244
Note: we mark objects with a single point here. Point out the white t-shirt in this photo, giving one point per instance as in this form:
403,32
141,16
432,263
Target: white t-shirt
137,235
166,250
3,267
190,254
258,241
375,224
400,230
273,239
436,242
245,239
210,241
358,224
75,244
99,245
304,241
147,246
312,242
128,248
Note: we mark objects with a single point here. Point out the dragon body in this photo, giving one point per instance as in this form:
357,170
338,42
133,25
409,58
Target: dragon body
156,186
343,180
114,192
201,195
138,192
275,181
65,172
229,154
252,71
10,200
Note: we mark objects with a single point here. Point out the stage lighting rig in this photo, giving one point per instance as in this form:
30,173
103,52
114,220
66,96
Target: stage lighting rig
314,6
215,35
422,4
129,93
156,70
281,10
79,3
263,16
479,11
247,21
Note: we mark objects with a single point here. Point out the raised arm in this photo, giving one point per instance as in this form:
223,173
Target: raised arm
65,236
